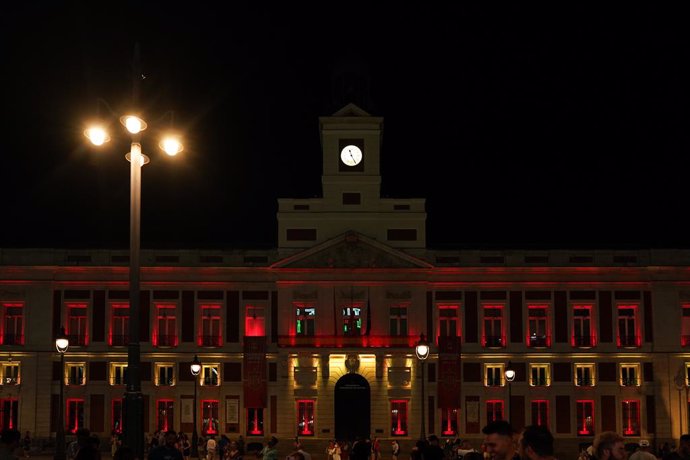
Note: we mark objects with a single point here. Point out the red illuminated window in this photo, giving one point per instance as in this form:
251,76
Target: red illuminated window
255,421
685,325
165,409
538,326
209,414
75,414
398,320
166,324
255,323
399,417
540,413
305,319
352,319
583,329
585,418
9,413
305,417
494,410
210,335
448,324
12,332
449,421
116,417
493,327
77,324
119,324
628,334
631,418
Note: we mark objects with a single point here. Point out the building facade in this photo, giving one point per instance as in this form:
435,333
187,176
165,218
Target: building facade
316,338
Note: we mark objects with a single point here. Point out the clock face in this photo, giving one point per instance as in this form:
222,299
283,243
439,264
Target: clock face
351,155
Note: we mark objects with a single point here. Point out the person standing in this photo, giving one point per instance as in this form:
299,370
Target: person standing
395,450
211,448
609,445
167,451
499,441
643,451
683,451
9,441
26,444
536,443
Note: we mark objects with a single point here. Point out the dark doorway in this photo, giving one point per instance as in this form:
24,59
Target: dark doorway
352,408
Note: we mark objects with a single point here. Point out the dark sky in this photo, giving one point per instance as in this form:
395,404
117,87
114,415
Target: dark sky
523,128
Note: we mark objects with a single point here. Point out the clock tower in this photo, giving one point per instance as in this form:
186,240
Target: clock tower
351,180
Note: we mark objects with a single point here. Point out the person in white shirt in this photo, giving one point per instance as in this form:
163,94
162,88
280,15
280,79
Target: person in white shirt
643,452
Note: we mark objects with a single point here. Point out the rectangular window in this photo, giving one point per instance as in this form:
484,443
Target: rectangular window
583,326
399,417
165,374
585,418
305,417
540,413
75,415
538,326
210,375
9,413
493,336
448,324
209,414
166,325
305,319
116,416
210,334
539,375
631,417
118,373
77,324
494,410
165,409
76,373
119,324
254,323
630,375
628,336
584,375
493,375
398,320
255,421
352,319
685,325
12,332
9,373
449,421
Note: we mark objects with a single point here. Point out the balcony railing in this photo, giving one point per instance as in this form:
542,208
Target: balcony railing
539,341
583,341
119,340
341,341
630,382
494,382
210,381
629,341
10,380
494,341
75,380
77,340
210,341
166,340
584,381
13,339
539,381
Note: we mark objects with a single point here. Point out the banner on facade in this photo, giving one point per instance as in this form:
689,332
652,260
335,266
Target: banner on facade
254,379
187,410
232,411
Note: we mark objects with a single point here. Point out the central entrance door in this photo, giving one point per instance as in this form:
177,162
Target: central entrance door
352,408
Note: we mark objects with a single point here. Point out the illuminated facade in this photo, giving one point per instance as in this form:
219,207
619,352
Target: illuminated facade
316,338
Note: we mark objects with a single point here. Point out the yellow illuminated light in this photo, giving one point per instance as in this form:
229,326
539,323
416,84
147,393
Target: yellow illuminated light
171,146
133,124
97,135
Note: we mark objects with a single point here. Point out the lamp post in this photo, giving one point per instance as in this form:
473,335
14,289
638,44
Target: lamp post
134,400
510,376
61,344
422,351
195,369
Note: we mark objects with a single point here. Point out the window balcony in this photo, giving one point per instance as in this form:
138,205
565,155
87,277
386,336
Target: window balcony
119,340
539,341
166,340
494,381
13,339
8,380
494,341
75,380
583,341
629,341
584,381
539,381
210,341
630,382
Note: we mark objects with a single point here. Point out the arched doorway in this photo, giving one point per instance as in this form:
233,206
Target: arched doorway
352,407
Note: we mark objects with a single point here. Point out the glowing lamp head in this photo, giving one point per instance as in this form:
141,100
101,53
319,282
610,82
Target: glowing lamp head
196,366
97,135
171,145
422,348
61,341
509,374
133,124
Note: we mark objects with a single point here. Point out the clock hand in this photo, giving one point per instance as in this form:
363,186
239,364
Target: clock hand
351,156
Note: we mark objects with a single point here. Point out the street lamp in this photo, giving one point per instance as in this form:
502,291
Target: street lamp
510,376
134,400
196,369
61,344
422,351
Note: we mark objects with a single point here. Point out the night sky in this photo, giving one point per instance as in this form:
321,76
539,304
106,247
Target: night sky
523,128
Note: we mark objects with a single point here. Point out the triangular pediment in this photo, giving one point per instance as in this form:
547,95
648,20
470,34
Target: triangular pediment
351,110
351,250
